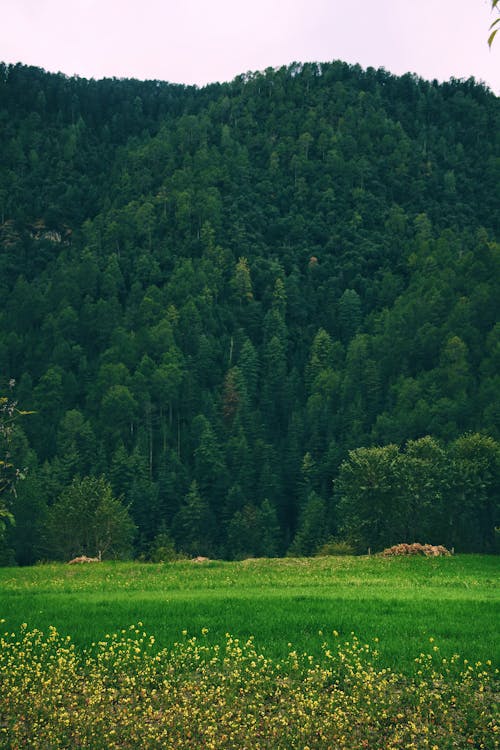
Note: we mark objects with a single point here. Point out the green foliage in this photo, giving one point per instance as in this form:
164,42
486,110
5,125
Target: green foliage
210,284
425,493
9,472
313,530
335,547
194,526
7,469
475,501
369,488
253,532
28,536
88,520
162,548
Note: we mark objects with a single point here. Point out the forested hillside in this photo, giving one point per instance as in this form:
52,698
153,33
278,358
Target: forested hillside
251,318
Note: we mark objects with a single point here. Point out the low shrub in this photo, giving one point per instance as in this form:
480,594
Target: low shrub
335,547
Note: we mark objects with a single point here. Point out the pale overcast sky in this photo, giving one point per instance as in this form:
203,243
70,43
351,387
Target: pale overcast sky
200,41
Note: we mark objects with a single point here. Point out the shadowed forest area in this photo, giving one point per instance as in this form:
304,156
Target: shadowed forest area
252,319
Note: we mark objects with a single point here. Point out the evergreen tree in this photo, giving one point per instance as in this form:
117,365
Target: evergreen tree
194,526
312,531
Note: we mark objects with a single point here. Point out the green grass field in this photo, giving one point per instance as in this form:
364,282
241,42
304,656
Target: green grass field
401,601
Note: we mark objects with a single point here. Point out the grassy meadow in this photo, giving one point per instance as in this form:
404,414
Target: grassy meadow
402,602
291,654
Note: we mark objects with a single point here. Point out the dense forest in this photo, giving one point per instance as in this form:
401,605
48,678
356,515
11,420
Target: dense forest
252,319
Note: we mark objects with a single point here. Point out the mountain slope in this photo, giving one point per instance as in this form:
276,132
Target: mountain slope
211,296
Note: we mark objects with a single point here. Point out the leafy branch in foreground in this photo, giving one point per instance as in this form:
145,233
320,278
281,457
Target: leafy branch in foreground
495,25
9,473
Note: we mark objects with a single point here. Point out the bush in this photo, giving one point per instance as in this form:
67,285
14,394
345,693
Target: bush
334,547
162,549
